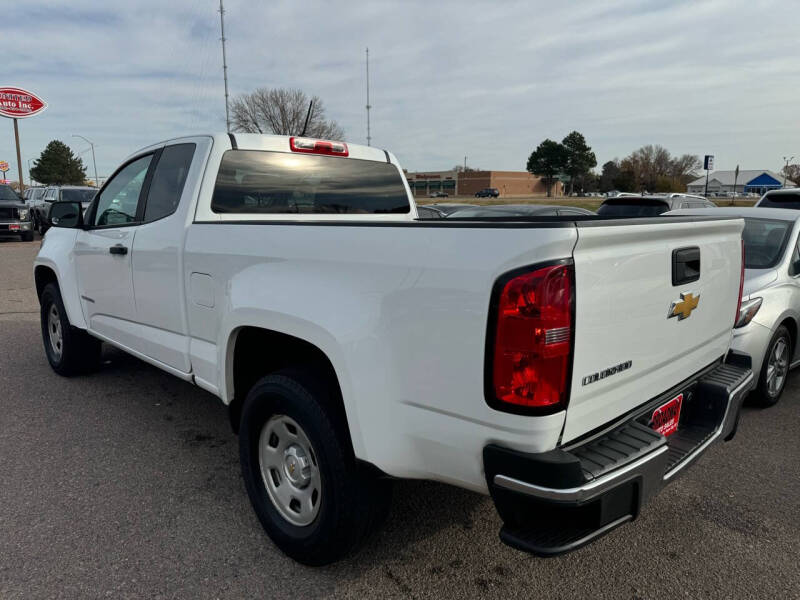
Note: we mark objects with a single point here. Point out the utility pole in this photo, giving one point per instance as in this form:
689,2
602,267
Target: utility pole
369,138
465,164
224,65
786,168
30,181
94,162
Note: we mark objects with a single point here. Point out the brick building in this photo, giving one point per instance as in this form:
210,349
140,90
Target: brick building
453,183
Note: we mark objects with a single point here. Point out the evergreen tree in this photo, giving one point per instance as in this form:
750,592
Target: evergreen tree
57,165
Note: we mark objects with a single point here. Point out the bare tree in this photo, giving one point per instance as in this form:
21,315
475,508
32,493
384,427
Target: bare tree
652,168
282,112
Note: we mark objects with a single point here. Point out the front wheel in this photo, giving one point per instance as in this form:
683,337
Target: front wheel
775,368
313,499
69,350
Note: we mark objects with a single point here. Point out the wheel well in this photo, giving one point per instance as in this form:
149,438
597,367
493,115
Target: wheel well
791,325
259,352
42,276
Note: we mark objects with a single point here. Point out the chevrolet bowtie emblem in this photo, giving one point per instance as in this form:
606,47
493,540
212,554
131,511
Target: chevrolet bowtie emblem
683,308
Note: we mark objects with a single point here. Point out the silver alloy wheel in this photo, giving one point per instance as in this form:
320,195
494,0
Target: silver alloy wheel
289,470
777,367
54,332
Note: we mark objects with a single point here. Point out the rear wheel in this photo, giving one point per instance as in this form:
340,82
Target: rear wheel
775,368
313,499
69,350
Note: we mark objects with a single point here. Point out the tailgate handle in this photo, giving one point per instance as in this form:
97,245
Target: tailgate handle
685,265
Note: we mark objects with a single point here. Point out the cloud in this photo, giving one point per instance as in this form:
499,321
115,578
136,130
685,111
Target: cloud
487,80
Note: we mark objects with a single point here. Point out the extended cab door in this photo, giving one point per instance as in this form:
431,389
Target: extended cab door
157,254
103,253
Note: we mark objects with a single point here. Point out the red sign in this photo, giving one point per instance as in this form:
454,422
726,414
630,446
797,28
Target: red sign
18,104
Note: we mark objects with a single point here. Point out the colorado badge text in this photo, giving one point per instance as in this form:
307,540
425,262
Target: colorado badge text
607,372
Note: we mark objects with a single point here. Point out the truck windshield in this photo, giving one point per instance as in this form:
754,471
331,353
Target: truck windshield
764,241
7,194
82,196
632,207
262,182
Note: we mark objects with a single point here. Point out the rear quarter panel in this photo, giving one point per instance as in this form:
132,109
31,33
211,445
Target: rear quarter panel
400,311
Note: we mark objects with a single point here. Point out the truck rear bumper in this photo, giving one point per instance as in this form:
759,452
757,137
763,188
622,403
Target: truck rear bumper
558,501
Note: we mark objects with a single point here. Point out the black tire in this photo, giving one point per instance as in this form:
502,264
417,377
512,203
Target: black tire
79,351
352,502
27,236
766,395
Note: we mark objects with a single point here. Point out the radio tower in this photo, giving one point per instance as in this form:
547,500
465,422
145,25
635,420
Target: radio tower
369,139
224,65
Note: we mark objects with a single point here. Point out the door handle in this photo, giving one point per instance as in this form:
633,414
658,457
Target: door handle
118,249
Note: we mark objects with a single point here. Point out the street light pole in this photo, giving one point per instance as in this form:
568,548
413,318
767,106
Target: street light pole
786,168
30,181
94,162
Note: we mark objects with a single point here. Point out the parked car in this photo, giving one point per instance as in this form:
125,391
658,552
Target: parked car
519,210
786,198
488,193
687,197
14,215
441,209
32,195
66,193
557,366
648,206
437,195
769,316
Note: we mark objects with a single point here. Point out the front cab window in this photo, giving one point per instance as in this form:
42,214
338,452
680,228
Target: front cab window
117,203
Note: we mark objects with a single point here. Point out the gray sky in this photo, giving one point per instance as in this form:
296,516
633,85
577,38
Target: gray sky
487,80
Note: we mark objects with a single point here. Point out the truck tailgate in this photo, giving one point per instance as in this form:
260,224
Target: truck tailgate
628,346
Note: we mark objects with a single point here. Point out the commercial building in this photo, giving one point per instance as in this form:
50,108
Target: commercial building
748,182
456,183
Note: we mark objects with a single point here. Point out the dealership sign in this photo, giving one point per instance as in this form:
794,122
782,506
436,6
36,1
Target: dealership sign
17,103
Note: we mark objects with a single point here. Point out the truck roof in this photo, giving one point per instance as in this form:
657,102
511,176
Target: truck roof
274,143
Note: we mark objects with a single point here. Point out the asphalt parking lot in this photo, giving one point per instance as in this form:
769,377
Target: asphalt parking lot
126,484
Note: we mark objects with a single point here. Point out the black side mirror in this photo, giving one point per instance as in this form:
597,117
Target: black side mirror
66,214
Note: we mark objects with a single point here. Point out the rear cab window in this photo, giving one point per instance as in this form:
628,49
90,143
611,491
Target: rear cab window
263,182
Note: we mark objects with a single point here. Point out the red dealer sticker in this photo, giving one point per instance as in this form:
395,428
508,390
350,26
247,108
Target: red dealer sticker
666,417
19,104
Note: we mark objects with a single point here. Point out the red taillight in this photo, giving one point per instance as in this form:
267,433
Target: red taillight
741,289
532,343
311,146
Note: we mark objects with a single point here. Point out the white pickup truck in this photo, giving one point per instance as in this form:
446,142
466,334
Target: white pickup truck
569,367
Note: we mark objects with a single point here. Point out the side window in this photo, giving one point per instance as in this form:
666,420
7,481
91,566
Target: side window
49,195
117,203
168,180
794,266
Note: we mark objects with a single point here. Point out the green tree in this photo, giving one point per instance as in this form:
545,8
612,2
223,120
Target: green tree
548,160
579,158
609,175
57,165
